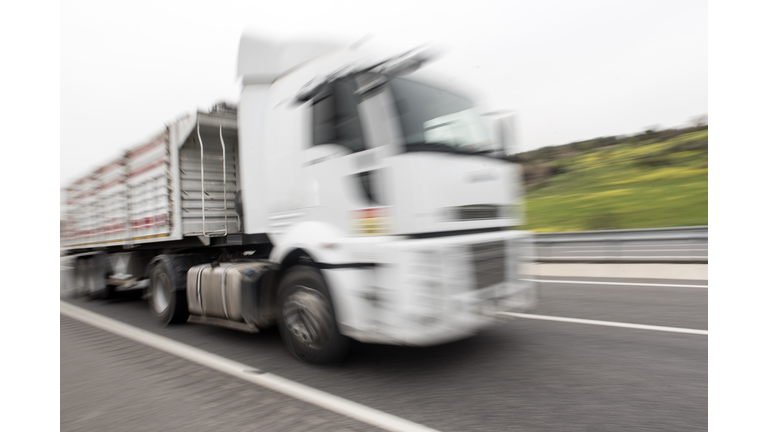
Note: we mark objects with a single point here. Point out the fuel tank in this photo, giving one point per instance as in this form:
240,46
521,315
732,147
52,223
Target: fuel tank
227,290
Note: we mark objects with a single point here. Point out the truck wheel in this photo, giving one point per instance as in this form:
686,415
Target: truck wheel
167,304
81,270
96,276
306,319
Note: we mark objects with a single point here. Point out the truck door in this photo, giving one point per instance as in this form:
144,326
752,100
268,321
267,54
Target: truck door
350,140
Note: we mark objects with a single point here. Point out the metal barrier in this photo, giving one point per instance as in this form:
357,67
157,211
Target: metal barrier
610,246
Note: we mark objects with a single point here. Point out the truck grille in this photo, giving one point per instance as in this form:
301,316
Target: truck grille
489,259
476,212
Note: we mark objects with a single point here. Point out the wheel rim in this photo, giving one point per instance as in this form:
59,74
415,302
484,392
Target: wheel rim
308,317
160,293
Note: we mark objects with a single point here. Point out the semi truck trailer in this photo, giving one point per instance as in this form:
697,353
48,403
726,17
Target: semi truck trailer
345,196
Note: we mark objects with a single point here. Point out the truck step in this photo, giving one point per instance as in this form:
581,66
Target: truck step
220,322
217,233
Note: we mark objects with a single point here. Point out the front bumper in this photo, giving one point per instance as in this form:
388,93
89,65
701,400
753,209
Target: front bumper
432,291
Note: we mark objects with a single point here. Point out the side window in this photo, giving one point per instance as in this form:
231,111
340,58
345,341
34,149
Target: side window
335,119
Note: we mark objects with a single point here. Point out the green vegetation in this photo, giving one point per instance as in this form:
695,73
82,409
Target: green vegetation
654,179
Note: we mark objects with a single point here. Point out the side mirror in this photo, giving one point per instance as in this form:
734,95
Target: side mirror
507,130
504,131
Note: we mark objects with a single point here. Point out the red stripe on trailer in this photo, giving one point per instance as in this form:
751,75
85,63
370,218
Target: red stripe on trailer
146,147
105,229
131,153
110,184
149,221
118,227
82,180
110,167
147,167
85,194
140,223
89,177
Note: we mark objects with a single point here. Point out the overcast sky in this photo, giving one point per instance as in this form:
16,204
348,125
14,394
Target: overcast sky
573,70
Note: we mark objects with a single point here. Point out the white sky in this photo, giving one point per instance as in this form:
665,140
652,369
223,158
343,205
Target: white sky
573,70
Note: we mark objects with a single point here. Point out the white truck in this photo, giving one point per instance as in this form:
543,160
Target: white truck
342,198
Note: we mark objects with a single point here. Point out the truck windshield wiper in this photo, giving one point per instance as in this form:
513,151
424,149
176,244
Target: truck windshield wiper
445,148
432,146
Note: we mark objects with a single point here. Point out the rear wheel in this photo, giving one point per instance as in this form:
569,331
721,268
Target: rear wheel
306,318
81,270
96,277
167,303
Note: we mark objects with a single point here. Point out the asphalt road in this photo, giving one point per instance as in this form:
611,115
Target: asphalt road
526,375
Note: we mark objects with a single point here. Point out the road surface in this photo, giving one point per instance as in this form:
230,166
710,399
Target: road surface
530,374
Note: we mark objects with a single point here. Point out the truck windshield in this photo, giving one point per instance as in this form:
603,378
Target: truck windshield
435,120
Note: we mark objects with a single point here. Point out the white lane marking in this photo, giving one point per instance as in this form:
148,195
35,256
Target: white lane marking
607,323
616,283
618,257
638,250
620,245
308,394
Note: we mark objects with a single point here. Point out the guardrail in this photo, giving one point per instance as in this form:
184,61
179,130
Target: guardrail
610,246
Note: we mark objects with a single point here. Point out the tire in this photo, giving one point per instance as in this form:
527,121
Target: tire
166,302
81,270
306,318
96,278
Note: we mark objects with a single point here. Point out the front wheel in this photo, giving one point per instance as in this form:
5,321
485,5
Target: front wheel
306,318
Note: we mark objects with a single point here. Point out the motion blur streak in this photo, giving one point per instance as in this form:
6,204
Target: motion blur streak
273,382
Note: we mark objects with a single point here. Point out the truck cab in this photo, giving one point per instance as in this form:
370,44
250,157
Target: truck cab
392,186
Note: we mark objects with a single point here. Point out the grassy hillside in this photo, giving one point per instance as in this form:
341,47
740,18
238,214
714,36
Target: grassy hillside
656,179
